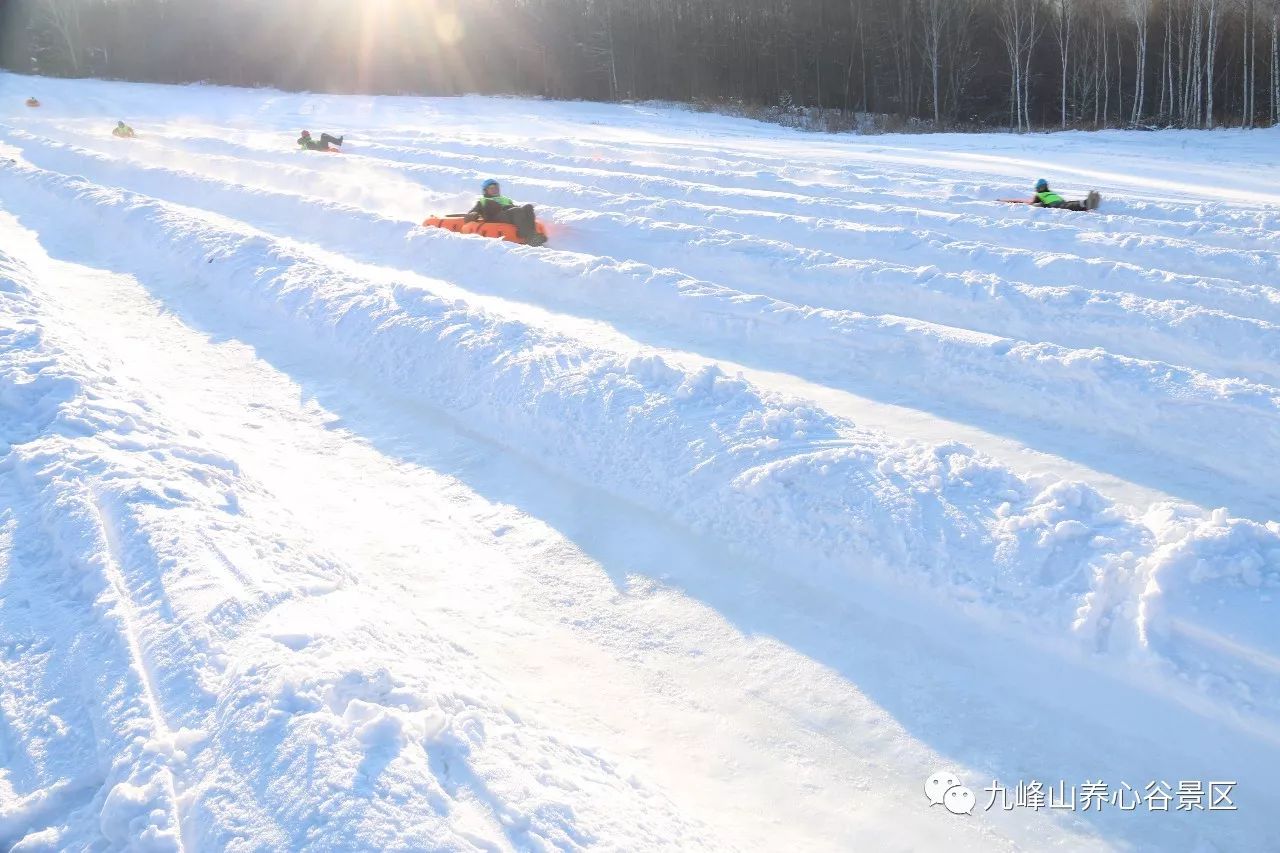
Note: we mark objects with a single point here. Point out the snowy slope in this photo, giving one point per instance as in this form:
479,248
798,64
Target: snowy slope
793,470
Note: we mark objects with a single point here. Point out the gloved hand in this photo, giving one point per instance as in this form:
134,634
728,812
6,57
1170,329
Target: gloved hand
471,217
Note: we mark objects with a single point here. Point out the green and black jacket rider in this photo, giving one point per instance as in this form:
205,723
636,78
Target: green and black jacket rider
491,207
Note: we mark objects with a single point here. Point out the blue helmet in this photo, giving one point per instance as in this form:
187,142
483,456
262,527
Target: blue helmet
489,182
1042,185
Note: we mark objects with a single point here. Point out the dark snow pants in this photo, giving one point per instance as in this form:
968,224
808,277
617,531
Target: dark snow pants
523,219
519,215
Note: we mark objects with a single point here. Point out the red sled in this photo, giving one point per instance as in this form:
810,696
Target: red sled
458,224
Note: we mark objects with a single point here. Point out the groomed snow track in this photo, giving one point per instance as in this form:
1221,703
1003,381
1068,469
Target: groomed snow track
792,470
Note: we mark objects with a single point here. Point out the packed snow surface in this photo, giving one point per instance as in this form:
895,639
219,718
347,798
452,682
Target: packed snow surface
793,470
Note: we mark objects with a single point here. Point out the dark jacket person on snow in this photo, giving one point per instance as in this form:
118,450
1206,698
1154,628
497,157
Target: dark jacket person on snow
493,206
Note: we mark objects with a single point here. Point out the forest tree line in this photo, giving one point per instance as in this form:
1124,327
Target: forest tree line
1024,64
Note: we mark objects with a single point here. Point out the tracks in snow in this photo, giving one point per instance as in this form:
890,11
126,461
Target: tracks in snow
1042,361
1075,330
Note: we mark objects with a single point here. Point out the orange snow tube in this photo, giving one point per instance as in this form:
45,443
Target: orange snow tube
32,102
458,224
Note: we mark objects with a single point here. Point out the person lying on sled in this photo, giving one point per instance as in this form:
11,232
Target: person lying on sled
1045,197
493,206
309,144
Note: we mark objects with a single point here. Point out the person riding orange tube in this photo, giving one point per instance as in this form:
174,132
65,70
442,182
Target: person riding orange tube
493,206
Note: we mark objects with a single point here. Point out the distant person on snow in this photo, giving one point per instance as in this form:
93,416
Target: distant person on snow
123,131
493,206
1045,197
32,102
309,144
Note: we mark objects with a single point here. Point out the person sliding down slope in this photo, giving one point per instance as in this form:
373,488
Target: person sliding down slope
493,206
123,131
309,144
1045,197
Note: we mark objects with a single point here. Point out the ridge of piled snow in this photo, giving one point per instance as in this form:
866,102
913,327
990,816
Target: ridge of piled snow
723,457
137,548
1150,406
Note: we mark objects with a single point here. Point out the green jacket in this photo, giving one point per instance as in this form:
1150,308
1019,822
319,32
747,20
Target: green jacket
1048,199
123,130
485,207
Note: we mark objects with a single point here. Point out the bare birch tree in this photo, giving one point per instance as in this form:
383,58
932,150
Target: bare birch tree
1018,24
1062,19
